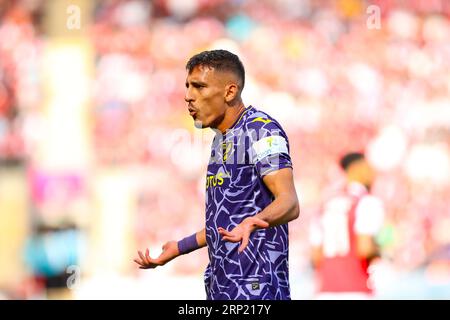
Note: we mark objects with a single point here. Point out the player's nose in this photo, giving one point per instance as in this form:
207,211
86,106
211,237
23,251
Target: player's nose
188,96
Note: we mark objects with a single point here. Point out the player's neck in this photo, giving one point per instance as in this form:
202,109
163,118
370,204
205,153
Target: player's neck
232,115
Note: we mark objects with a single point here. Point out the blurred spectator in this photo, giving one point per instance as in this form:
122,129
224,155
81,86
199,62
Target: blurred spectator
344,234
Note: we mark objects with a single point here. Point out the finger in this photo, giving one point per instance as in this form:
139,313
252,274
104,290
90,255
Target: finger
261,223
138,262
155,262
150,262
147,256
231,239
148,265
244,243
224,232
142,257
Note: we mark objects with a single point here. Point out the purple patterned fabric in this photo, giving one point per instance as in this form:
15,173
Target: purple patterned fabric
255,146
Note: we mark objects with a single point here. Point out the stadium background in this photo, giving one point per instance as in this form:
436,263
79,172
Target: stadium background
99,157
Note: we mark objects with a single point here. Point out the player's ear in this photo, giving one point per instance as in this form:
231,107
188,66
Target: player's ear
231,92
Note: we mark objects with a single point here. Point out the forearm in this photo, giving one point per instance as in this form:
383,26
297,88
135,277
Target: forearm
283,209
201,238
172,249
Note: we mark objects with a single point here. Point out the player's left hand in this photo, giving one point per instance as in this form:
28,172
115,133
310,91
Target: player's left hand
241,233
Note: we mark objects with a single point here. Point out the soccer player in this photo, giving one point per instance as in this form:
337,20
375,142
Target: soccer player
250,193
343,236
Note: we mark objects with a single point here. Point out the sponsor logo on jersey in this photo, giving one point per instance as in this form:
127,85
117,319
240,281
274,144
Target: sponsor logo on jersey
270,145
216,179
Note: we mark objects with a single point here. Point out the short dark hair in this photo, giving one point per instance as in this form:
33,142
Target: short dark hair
220,60
349,158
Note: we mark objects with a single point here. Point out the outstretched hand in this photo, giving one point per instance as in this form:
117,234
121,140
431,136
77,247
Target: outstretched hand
241,233
170,251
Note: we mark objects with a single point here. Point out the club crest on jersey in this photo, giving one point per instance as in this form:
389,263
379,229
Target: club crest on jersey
226,149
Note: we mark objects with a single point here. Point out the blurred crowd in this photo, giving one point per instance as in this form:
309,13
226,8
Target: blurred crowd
335,83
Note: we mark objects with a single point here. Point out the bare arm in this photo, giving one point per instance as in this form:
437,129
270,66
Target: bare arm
201,238
170,252
283,209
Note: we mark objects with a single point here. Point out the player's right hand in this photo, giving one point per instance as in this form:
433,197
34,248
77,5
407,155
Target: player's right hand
241,233
170,251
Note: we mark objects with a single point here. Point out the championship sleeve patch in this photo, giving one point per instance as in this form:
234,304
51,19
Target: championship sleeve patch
269,145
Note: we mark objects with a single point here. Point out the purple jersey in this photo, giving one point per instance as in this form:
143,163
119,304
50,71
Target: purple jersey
252,148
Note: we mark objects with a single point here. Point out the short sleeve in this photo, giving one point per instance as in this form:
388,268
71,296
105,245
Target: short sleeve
269,147
369,216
